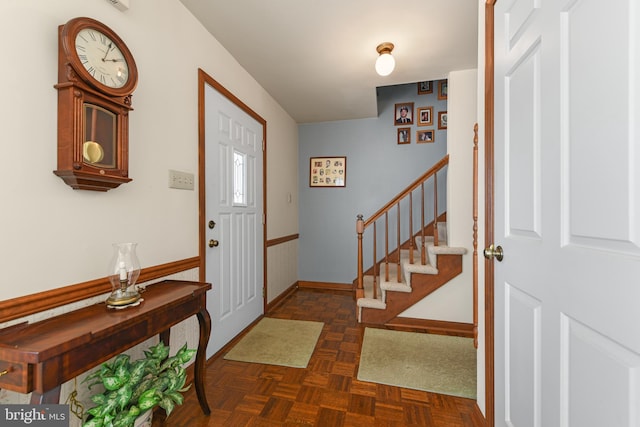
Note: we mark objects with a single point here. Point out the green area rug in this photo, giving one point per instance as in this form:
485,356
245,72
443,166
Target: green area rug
436,363
278,342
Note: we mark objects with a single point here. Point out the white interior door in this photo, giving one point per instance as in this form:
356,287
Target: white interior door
234,218
567,213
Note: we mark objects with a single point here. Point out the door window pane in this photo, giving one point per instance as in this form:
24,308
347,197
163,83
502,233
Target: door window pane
239,179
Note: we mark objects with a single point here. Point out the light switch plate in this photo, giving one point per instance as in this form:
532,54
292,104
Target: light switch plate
181,180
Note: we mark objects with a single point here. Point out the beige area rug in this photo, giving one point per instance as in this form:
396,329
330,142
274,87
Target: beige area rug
278,342
436,363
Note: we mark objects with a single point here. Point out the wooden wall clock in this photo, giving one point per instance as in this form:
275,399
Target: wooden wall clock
96,78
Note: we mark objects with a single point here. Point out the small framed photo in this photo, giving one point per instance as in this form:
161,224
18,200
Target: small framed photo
328,172
425,116
403,114
424,136
442,89
404,135
425,88
442,120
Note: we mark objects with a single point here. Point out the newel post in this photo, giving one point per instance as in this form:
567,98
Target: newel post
360,232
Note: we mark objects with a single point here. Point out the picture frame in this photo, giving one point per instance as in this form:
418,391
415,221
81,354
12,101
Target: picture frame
327,171
403,114
425,116
425,136
404,135
425,88
443,89
442,120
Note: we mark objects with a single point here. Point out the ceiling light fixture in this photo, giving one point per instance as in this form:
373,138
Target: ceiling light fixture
385,62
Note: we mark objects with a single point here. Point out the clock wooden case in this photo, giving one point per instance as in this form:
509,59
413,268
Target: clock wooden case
96,78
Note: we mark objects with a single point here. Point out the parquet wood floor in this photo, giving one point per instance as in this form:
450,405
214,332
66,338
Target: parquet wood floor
326,393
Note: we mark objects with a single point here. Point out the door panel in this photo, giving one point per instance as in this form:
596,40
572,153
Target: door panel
567,346
234,200
522,362
594,359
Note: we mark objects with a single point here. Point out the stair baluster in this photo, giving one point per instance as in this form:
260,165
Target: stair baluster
435,210
398,269
411,227
375,263
386,246
423,225
360,280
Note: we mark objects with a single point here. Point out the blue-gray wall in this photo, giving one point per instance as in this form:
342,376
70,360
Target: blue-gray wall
377,169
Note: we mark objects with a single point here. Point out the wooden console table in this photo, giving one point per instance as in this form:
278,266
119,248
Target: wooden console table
38,358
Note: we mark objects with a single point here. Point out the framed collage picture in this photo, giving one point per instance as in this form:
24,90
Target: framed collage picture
328,172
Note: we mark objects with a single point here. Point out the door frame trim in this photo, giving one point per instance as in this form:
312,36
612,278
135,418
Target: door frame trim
204,78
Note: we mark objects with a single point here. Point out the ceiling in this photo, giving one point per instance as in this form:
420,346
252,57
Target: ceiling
316,57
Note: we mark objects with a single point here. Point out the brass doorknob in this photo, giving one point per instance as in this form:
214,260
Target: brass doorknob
213,243
494,252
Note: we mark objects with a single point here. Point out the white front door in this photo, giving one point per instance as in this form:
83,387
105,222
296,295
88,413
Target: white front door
567,213
234,217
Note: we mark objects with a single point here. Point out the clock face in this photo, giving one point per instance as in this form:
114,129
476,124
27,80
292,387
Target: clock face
102,58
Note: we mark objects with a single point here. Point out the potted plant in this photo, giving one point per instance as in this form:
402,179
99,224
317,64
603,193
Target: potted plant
133,388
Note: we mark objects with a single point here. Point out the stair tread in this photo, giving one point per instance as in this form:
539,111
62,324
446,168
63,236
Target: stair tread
395,286
441,248
371,303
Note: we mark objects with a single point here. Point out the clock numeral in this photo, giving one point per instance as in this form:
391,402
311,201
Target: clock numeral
81,48
83,38
93,36
83,58
92,71
103,39
102,79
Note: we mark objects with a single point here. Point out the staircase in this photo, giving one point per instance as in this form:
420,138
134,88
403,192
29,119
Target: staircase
411,264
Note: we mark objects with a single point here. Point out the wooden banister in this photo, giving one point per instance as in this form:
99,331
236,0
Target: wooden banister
428,174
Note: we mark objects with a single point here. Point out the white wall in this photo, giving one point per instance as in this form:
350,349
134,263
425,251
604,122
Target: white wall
53,236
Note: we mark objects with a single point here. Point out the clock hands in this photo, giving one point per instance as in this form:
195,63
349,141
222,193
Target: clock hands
109,49
106,52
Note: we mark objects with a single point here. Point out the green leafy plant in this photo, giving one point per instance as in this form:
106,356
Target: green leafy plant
133,387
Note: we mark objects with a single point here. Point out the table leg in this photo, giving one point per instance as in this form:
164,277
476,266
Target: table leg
50,396
201,357
165,337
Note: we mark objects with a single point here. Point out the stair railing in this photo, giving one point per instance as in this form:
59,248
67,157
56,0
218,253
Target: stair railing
406,195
